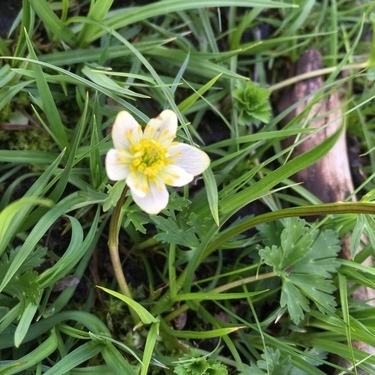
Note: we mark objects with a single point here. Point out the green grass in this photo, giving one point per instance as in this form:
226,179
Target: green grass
210,294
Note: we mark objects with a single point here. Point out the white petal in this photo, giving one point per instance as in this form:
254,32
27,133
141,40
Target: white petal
138,184
189,158
125,131
154,201
163,127
116,169
174,175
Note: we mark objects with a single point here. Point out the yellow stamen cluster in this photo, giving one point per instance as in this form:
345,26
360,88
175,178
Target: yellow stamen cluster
149,157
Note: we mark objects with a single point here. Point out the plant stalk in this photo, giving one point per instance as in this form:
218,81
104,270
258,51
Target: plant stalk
114,230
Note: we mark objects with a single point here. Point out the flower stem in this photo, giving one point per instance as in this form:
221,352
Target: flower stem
172,271
114,229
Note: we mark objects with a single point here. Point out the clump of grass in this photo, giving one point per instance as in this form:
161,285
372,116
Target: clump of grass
210,293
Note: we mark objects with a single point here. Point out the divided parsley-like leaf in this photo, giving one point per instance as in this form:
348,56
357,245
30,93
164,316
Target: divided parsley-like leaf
271,232
186,231
177,233
196,365
138,220
24,283
272,363
295,301
305,260
114,194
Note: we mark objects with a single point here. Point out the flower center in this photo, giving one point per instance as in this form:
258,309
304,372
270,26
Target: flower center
149,157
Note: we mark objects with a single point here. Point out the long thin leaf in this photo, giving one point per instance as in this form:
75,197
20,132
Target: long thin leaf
116,361
80,355
38,231
152,337
43,326
57,129
12,215
71,256
26,157
200,335
53,24
24,324
264,185
143,314
37,355
189,101
98,10
130,16
85,82
212,194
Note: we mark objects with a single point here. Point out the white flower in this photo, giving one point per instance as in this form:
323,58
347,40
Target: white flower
149,160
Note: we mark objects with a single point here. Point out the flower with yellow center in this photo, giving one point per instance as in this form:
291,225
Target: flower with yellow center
149,160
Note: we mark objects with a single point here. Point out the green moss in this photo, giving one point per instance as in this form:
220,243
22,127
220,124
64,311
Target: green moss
33,140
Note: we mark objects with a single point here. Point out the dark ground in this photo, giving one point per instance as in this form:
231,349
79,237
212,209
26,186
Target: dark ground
8,12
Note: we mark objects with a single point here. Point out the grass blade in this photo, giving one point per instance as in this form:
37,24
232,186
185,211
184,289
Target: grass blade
48,105
52,23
